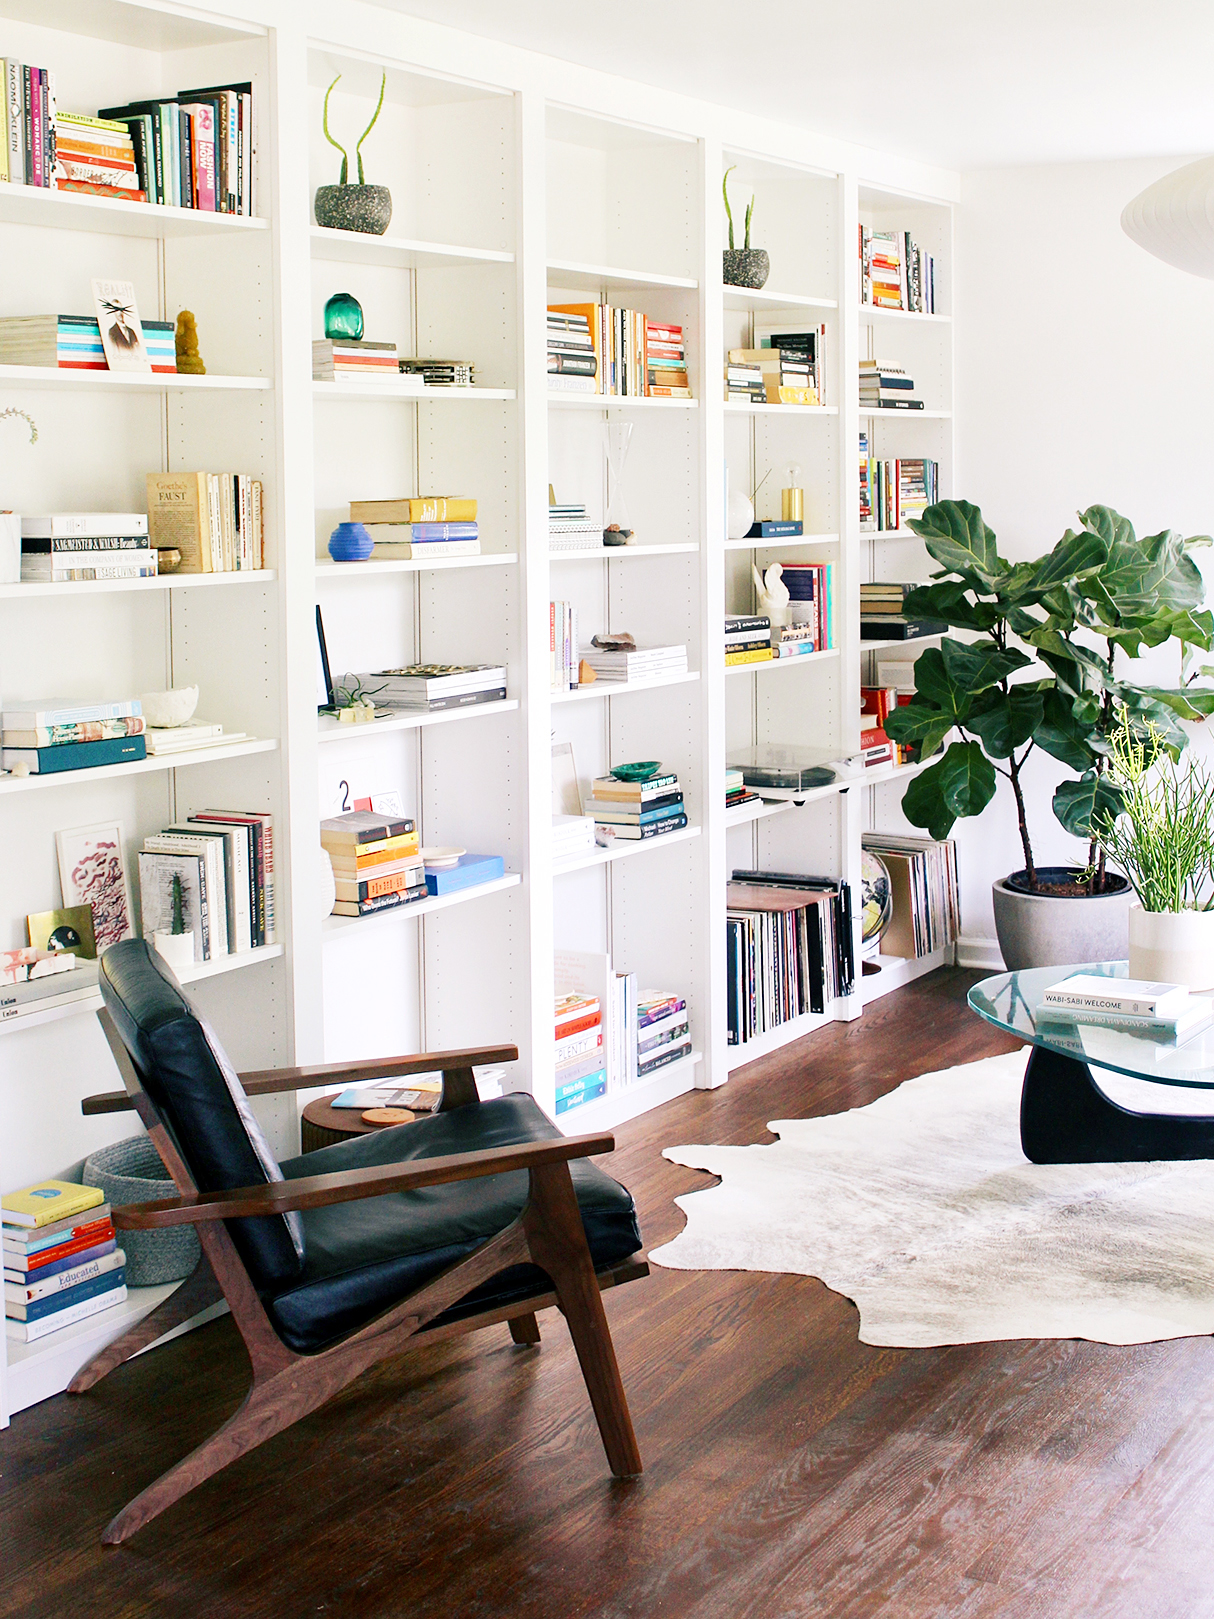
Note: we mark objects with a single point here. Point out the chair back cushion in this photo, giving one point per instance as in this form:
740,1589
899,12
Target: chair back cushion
195,1089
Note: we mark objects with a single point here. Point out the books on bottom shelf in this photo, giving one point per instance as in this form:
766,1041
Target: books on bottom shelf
62,1262
632,811
788,949
608,1037
924,888
210,876
33,981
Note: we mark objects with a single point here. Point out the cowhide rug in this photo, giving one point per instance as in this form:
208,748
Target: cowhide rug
922,1208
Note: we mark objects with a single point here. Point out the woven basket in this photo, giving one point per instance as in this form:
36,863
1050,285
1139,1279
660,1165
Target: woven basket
131,1172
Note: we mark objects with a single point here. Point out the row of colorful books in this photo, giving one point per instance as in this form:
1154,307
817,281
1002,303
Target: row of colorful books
595,348
413,528
361,360
210,875
751,638
34,980
924,889
788,949
215,519
895,272
609,1036
894,492
378,864
73,343
787,368
877,703
62,1262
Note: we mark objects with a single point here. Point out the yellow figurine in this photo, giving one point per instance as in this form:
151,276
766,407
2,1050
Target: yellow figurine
189,361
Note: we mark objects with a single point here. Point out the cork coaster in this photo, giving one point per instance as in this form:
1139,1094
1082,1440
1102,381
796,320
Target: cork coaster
388,1115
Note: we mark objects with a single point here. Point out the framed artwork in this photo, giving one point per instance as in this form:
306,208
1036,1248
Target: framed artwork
566,794
69,929
92,871
121,330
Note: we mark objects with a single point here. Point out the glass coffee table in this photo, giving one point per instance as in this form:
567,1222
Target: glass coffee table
1064,1117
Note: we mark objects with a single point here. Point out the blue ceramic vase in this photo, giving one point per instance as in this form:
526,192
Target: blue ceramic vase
350,542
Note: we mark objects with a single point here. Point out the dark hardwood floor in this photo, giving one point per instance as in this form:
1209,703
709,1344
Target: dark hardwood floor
790,1470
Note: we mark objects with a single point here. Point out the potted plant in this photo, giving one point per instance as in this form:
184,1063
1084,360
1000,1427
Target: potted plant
354,207
1045,670
1162,837
176,945
743,266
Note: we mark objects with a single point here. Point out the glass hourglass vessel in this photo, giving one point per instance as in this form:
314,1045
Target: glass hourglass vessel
617,530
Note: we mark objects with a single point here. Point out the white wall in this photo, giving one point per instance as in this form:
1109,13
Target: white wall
1085,374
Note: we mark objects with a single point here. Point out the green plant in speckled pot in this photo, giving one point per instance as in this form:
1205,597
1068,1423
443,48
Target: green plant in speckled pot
354,207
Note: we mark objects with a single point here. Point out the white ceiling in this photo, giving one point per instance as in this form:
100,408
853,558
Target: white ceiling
963,83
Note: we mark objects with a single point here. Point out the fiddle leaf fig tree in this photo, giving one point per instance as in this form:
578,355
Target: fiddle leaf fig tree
1043,666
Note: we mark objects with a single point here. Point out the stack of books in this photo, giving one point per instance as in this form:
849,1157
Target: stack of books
563,662
663,1033
744,381
162,739
882,618
420,528
59,547
376,862
569,529
1161,1011
27,121
436,686
581,1057
62,1262
96,155
215,519
572,362
350,360
34,981
641,663
925,891
439,373
811,588
572,835
788,949
46,735
634,810
736,791
886,387
875,746
73,342
791,365
212,867
893,492
665,361
877,703
747,639
895,272
197,149
794,641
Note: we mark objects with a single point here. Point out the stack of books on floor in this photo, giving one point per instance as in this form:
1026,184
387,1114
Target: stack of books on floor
572,362
886,387
666,374
562,646
640,663
926,894
433,687
347,359
439,373
197,149
634,810
895,272
33,981
73,343
420,528
62,1262
61,547
581,1054
747,639
882,618
788,949
377,863
1160,1011
663,1033
877,703
569,529
736,791
744,381
572,835
45,735
811,587
892,493
210,875
215,519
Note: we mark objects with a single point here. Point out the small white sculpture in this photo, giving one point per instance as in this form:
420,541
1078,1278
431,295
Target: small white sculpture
164,709
740,514
773,594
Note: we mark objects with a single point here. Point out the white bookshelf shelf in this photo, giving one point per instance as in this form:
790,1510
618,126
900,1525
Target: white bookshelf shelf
763,300
764,1044
49,376
623,851
888,534
111,216
395,394
332,730
326,569
895,971
595,277
744,814
885,773
756,544
676,1079
396,252
108,587
735,407
907,415
915,640
139,767
623,553
622,688
782,664
345,927
560,401
870,313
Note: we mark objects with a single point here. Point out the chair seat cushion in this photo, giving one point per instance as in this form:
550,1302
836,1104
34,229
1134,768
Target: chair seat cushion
363,1257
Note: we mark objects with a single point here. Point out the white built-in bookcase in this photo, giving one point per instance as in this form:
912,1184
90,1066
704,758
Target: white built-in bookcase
516,181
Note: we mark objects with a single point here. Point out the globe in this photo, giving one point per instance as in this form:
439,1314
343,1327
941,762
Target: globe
876,896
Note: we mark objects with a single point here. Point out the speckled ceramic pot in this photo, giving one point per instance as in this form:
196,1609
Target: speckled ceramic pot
363,208
745,267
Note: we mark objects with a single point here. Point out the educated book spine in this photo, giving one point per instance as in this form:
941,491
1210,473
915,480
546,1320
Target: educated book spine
54,1286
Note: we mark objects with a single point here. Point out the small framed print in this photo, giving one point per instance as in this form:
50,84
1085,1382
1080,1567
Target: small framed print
121,329
68,930
92,871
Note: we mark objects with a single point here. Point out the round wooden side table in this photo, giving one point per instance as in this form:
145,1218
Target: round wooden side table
321,1125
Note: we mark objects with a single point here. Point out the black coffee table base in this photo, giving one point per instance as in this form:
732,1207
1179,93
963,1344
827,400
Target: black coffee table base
1064,1119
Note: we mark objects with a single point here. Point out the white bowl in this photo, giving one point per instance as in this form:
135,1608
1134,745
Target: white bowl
441,857
168,708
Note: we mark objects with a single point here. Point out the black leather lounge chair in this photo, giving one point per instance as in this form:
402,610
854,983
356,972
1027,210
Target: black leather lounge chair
481,1213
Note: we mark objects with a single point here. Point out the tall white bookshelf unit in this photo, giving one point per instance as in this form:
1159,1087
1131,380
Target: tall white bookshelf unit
516,181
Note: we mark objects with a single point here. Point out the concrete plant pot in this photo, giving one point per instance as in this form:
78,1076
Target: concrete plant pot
361,208
745,267
1176,947
1045,930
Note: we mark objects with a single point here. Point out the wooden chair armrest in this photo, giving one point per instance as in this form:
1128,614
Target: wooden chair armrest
317,1191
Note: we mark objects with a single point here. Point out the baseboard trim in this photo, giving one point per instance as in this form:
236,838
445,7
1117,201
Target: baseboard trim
975,951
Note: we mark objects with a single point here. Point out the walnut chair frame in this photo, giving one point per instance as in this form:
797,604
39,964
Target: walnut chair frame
287,1386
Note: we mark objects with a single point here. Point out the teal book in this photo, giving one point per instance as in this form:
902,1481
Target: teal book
117,750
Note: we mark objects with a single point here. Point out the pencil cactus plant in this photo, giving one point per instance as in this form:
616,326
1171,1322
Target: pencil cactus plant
346,206
743,266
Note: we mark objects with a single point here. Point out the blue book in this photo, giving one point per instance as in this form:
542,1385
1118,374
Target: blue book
117,750
587,1082
54,1302
663,812
39,1273
564,1103
775,530
470,870
442,531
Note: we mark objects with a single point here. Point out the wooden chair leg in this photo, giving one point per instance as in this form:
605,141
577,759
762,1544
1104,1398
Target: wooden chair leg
525,1329
197,1293
557,1240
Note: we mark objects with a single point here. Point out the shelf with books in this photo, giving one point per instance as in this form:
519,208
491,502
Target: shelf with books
561,401
905,415
765,665
396,252
736,408
754,543
622,688
30,589
339,927
747,300
46,376
327,570
332,730
870,313
630,1101
623,553
112,216
399,394
623,851
602,278
884,646
139,767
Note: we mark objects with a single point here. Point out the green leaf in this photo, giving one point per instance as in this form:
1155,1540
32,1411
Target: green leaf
1009,721
950,601
1022,623
1074,556
934,685
1116,531
1064,733
974,668
1078,803
923,802
921,723
958,539
967,779
1190,702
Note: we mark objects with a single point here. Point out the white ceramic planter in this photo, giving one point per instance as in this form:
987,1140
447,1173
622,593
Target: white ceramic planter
1175,947
177,949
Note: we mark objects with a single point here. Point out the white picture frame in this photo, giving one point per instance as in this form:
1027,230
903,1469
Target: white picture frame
93,871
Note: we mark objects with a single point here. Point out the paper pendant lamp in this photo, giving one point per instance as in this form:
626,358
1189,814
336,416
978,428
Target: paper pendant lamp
1174,218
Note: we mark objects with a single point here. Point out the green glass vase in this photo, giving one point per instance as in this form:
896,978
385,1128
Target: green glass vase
343,317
